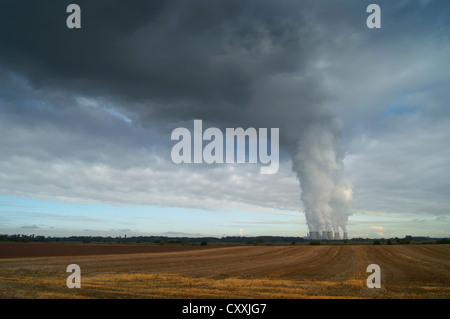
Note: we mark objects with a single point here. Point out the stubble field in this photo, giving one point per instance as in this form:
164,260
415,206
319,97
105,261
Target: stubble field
300,271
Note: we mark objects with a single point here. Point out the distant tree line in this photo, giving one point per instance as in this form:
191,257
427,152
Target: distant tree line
202,240
150,239
22,238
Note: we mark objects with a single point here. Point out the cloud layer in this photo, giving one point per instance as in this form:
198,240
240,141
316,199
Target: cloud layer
86,114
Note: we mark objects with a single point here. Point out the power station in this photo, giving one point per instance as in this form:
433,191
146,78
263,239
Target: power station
326,235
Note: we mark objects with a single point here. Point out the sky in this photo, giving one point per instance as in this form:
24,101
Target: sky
86,114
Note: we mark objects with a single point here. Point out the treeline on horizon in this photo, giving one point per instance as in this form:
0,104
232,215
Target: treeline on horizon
228,239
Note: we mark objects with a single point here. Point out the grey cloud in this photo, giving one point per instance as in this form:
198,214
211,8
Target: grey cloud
227,62
30,227
157,183
41,215
401,168
160,50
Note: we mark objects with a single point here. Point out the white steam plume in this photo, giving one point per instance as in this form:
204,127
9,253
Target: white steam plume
318,162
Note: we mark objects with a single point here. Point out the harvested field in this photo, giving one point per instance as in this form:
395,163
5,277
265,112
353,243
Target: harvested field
413,271
18,250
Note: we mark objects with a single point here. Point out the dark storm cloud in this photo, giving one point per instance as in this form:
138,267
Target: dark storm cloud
144,48
179,59
197,59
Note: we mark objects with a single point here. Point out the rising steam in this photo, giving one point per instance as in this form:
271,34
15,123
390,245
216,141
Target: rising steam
326,194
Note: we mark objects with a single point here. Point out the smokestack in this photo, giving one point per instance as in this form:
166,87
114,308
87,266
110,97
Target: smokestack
345,236
330,235
336,235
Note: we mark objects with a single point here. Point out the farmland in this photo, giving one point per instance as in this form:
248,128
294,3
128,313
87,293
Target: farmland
182,271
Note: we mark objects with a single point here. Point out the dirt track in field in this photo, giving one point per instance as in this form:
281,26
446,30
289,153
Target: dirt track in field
413,271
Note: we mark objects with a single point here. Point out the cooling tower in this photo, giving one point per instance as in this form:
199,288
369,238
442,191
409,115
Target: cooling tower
345,236
314,235
336,236
324,234
330,235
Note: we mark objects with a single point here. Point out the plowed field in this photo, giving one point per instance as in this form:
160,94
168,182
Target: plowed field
413,271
